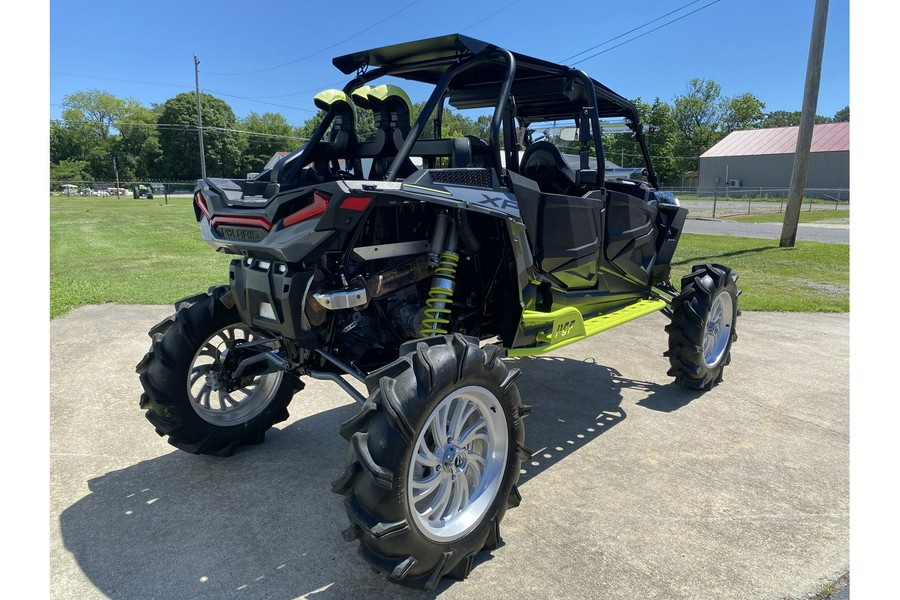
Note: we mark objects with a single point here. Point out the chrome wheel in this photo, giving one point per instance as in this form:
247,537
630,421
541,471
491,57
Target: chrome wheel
717,331
207,391
458,463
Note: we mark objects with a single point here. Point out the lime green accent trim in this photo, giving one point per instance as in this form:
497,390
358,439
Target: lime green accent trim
326,98
427,189
383,92
566,325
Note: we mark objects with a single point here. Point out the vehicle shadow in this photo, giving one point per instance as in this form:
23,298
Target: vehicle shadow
264,522
705,258
576,401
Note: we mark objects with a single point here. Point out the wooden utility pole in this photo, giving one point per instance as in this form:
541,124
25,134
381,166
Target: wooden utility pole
807,121
199,117
116,169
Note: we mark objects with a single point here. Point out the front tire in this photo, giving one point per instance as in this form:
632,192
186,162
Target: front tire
185,391
703,327
434,456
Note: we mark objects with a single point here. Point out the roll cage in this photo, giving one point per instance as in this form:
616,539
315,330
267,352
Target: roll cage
470,73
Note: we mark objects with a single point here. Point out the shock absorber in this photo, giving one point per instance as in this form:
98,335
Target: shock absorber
440,295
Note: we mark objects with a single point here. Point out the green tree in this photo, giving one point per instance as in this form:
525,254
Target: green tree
267,134
623,150
69,171
66,142
137,148
305,131
89,130
743,112
179,142
697,117
784,118
662,140
843,115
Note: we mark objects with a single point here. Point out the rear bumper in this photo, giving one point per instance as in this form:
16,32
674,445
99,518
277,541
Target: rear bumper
269,295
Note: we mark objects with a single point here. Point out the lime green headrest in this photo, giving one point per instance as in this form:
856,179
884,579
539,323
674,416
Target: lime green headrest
328,100
382,93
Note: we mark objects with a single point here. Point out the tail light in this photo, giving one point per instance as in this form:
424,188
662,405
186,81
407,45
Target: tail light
319,205
246,221
200,201
358,203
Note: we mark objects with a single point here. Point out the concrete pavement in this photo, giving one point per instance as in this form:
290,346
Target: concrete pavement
637,489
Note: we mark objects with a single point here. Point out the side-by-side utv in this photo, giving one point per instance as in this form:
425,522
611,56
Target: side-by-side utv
414,263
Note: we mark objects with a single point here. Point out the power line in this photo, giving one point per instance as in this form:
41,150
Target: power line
493,14
630,31
185,127
309,91
182,87
261,101
321,50
647,32
129,49
119,80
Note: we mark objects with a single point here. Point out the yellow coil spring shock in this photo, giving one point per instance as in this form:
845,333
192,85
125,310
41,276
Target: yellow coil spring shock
440,296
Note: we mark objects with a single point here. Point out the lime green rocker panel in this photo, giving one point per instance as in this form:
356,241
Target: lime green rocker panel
566,325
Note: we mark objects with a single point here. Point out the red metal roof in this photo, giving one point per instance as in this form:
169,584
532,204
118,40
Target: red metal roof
827,137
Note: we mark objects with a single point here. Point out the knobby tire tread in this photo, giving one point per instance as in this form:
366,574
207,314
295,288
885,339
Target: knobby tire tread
163,373
383,435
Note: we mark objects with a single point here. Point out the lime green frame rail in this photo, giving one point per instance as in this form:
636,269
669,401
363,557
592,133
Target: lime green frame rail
566,325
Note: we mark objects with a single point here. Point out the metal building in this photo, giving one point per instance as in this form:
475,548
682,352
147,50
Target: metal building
759,161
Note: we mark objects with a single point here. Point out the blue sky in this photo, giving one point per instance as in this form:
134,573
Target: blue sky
146,53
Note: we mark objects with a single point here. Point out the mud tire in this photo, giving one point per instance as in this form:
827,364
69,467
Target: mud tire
385,440
165,370
708,289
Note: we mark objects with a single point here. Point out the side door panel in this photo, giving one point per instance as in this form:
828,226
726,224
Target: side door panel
571,239
631,234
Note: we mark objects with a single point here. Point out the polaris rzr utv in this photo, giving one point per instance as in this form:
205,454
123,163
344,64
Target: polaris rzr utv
415,263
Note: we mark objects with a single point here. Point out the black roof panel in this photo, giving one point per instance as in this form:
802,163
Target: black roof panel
543,90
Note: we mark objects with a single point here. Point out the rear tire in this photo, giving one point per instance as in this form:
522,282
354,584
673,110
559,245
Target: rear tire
184,395
434,456
703,327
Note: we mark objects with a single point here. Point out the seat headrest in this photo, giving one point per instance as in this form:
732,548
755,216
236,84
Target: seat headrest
391,105
339,103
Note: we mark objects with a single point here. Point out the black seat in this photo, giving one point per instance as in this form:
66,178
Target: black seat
340,144
391,109
469,151
543,163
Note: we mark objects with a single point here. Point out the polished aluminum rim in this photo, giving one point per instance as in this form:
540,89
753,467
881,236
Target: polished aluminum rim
206,387
718,329
458,464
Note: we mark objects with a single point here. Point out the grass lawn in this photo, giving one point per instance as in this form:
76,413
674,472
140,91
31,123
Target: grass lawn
811,277
127,251
147,252
816,216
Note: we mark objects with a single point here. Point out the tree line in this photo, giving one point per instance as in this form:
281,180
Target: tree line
100,136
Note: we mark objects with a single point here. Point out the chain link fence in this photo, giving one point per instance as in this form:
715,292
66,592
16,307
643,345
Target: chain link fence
721,203
122,189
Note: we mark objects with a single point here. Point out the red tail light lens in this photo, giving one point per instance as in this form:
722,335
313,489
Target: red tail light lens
201,204
359,203
248,221
319,205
